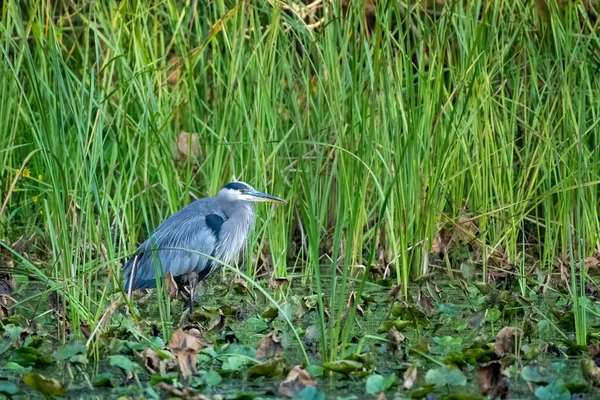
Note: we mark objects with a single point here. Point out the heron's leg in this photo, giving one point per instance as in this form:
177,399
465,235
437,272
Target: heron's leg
193,282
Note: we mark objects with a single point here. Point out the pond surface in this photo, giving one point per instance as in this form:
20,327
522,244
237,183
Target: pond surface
450,333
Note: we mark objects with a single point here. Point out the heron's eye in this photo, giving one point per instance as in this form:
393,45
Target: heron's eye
242,190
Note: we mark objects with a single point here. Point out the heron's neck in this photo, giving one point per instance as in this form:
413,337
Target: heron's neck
235,230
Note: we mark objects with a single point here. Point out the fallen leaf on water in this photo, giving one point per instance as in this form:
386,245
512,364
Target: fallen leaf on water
410,376
378,383
492,382
269,346
185,344
46,386
506,340
296,380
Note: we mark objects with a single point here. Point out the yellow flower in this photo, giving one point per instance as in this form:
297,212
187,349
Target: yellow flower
437,218
41,212
34,198
39,177
17,171
26,173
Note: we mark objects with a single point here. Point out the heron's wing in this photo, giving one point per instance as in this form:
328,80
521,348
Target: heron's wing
195,227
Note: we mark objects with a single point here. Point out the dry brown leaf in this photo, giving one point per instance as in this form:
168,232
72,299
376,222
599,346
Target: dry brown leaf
188,146
395,339
185,344
466,229
218,324
151,360
269,346
182,393
395,293
424,303
492,382
442,242
296,380
506,340
350,304
590,371
171,286
410,376
276,283
7,287
240,285
591,262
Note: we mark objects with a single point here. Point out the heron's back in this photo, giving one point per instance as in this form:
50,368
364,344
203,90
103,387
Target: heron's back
194,227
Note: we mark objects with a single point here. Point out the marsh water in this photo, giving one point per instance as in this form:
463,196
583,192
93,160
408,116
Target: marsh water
442,323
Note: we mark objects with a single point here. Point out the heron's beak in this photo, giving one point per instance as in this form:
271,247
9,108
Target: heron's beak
263,197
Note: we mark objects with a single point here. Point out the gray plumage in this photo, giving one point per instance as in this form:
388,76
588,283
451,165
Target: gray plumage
217,226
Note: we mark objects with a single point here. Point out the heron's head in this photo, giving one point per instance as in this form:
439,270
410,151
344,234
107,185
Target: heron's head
235,191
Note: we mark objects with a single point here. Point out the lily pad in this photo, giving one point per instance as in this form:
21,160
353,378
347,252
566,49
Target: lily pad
536,374
310,393
378,383
553,391
447,375
9,389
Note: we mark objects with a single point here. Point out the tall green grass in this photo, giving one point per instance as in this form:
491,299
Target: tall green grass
377,135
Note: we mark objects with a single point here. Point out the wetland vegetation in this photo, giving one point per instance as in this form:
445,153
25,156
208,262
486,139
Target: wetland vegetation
439,158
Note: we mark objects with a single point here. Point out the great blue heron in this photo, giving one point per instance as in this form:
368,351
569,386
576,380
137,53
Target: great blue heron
217,226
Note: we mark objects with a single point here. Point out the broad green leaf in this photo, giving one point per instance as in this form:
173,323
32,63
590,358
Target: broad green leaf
212,378
256,325
123,362
315,370
103,380
16,368
70,350
233,363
